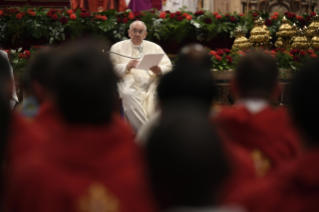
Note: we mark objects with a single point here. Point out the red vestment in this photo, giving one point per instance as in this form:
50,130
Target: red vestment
295,188
269,131
81,167
23,140
99,5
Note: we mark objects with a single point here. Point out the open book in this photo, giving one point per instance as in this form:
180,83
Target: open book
149,61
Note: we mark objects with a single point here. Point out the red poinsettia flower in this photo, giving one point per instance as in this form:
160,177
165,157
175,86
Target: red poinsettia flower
208,21
220,52
268,22
229,59
232,19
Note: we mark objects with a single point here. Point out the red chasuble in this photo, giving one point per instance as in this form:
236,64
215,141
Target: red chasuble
23,140
99,5
268,136
81,168
293,189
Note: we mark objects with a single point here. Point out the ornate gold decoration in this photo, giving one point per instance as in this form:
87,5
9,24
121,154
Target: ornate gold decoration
300,41
98,199
313,26
259,36
315,40
261,162
265,27
241,41
284,35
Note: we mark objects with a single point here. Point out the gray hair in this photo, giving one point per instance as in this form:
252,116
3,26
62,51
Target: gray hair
138,22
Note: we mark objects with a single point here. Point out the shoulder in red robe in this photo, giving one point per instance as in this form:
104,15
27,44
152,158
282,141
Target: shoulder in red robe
81,167
293,189
268,134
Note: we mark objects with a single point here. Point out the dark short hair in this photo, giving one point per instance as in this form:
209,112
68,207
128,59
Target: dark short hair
305,102
256,75
38,69
194,85
186,162
85,83
191,78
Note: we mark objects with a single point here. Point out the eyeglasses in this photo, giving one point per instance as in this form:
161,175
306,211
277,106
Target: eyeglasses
134,31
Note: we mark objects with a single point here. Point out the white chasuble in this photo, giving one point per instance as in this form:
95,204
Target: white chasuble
137,88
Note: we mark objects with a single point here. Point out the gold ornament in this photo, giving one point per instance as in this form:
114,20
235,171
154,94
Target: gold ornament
313,26
259,36
315,40
284,35
241,41
300,41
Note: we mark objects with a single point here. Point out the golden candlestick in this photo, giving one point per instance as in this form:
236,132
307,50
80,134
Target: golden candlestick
241,41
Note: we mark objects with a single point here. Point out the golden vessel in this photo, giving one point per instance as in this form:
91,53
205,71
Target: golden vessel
259,36
315,40
241,42
300,41
313,26
286,32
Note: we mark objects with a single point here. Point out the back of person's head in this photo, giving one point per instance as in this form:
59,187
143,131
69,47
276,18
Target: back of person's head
305,103
5,76
191,78
186,162
193,57
38,74
256,75
85,83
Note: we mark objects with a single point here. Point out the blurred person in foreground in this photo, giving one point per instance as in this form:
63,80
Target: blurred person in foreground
4,126
266,134
21,136
14,98
137,87
190,81
187,165
295,188
37,81
90,161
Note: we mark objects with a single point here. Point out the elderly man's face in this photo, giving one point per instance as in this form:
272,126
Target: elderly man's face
137,33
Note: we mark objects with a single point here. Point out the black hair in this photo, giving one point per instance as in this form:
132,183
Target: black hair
85,83
256,75
191,78
38,69
186,162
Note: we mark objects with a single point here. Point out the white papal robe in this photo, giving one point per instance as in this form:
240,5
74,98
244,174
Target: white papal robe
137,88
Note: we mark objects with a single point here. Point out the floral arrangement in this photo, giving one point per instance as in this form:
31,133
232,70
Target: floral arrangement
225,59
52,25
19,58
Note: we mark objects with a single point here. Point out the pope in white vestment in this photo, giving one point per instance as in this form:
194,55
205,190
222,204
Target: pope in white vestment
137,88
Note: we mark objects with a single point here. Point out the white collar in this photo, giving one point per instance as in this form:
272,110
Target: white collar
253,105
134,46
